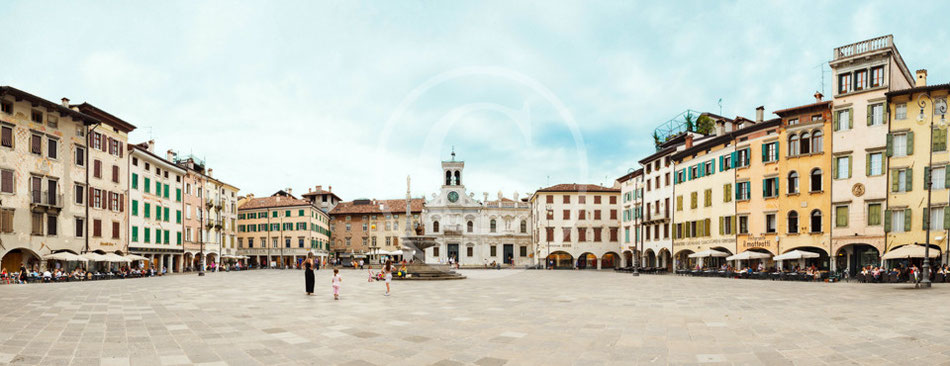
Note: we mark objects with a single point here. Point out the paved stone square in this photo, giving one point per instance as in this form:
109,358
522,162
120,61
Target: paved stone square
505,317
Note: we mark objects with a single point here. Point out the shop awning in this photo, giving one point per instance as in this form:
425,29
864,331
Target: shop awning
910,251
65,256
709,253
396,252
136,257
746,255
796,254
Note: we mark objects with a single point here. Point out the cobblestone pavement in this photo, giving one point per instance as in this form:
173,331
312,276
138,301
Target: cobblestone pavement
502,317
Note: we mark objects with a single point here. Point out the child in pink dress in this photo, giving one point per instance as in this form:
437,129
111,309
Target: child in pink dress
336,281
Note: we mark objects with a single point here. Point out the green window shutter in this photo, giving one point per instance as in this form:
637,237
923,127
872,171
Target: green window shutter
765,155
725,193
867,163
148,210
734,220
748,189
834,168
834,119
946,180
135,181
166,237
887,221
910,179
764,192
775,186
925,218
895,180
889,151
178,194
721,159
907,219
177,216
135,234
850,163
869,114
713,169
850,118
926,176
910,142
148,184
735,155
166,191
946,218
148,235
178,234
721,231
135,208
166,214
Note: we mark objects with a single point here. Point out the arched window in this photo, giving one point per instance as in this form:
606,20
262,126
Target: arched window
793,182
471,226
435,226
793,145
493,225
816,142
805,145
448,177
793,222
524,226
816,221
815,180
458,177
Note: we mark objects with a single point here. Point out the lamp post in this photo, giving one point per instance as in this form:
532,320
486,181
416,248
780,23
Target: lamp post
942,109
548,213
201,235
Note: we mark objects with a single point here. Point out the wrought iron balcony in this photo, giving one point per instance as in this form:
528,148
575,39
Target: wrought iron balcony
46,199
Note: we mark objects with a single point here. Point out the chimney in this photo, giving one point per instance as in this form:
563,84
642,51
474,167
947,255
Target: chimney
720,127
319,188
210,172
818,97
309,190
921,78
759,114
330,188
151,146
170,155
689,140
250,195
65,102
290,191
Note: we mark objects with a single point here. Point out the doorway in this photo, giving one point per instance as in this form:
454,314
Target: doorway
453,252
509,252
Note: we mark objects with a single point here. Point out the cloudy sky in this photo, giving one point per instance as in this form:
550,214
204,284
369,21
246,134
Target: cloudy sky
358,95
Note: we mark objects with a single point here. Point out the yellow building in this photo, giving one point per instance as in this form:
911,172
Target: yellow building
912,163
704,203
804,210
757,185
281,230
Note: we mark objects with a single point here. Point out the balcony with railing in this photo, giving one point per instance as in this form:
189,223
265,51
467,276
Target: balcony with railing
496,204
214,223
863,47
452,229
47,199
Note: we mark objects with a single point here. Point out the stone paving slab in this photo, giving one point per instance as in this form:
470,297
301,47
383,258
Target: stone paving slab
507,317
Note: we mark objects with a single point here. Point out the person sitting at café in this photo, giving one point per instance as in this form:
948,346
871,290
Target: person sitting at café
47,276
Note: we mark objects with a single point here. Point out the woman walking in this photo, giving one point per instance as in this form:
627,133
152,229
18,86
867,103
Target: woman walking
308,273
388,274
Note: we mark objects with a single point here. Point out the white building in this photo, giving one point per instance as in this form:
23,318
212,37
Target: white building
474,232
580,225
155,213
631,198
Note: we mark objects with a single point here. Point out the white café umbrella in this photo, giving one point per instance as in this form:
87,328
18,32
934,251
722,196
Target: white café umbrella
709,253
746,255
65,256
112,257
910,251
95,257
796,254
136,257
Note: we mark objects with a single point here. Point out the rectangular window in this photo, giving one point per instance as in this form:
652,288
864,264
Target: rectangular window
770,187
6,181
877,76
727,225
743,189
876,115
843,167
51,225
841,216
936,218
897,221
693,198
742,157
899,143
6,136
770,223
875,164
843,122
80,227
901,113
874,214
844,83
51,148
707,198
770,152
860,79
743,224
938,178
36,144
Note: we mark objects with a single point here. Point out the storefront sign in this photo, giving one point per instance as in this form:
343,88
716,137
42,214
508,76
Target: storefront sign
757,242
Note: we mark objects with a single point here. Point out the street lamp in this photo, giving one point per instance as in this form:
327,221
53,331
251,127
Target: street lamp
636,232
547,222
942,109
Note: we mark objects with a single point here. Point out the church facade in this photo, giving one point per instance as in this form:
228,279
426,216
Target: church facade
473,232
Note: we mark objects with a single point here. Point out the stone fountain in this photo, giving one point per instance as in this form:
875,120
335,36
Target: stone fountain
413,251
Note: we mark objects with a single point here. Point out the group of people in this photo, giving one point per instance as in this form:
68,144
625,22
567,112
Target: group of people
336,282
24,275
878,274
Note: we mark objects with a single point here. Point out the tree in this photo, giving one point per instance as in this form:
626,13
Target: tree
656,138
705,125
689,122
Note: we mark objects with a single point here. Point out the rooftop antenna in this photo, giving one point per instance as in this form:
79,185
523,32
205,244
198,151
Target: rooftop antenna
720,106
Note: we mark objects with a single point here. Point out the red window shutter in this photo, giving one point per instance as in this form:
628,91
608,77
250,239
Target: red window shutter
91,197
97,228
108,200
121,148
115,230
121,203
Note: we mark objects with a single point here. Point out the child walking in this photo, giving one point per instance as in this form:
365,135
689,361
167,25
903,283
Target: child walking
336,281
